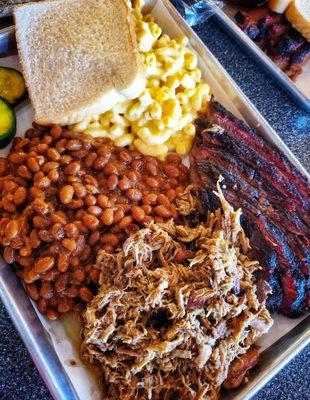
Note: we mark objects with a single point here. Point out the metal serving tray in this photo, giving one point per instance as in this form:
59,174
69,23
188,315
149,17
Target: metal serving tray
32,329
225,17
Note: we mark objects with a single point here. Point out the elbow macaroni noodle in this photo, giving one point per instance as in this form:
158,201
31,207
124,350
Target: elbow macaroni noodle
161,118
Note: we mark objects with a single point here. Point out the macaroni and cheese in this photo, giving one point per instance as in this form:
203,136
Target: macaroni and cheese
161,118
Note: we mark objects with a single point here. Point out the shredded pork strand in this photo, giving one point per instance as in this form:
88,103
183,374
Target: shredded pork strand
176,306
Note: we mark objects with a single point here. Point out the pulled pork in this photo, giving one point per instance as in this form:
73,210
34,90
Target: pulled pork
176,306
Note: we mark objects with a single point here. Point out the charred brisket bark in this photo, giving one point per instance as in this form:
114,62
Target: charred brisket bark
274,34
273,195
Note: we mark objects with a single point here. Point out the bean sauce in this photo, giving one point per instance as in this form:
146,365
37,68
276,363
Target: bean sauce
64,196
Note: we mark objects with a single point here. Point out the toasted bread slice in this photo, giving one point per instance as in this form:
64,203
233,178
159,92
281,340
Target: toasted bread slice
79,57
298,13
279,6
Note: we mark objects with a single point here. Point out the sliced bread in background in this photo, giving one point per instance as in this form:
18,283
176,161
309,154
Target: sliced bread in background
279,6
298,13
79,57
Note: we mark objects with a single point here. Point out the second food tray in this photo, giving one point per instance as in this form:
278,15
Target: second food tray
54,345
299,90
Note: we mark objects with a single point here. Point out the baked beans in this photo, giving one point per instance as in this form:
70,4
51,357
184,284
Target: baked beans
64,196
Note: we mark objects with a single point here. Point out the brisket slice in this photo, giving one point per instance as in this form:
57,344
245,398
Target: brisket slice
271,27
248,25
257,184
269,245
249,138
300,58
273,195
283,51
288,43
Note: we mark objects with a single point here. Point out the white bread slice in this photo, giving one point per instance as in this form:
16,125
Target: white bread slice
79,57
298,13
279,6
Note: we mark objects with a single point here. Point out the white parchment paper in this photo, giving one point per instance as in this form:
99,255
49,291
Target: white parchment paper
65,333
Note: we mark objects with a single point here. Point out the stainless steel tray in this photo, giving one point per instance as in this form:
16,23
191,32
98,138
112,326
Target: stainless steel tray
225,18
22,311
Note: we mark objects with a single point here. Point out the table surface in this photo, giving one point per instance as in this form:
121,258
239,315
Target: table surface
19,380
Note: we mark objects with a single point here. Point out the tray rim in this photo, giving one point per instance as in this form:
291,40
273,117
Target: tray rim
259,56
54,374
21,310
